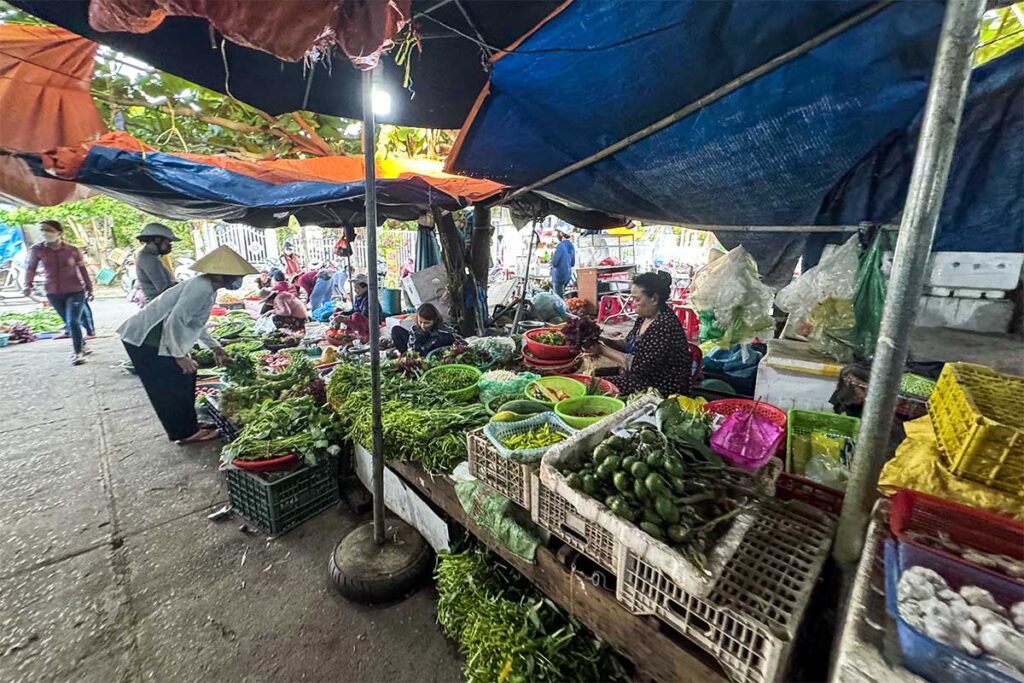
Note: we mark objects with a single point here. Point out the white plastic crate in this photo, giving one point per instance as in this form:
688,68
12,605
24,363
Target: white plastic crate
584,522
511,479
554,513
749,621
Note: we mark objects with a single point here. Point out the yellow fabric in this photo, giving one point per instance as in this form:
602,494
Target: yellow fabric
168,263
917,466
224,261
690,405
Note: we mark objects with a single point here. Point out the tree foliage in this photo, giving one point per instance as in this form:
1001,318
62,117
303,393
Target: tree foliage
175,115
1002,30
113,221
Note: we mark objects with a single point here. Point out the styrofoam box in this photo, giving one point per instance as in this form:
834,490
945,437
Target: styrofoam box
970,269
792,376
972,315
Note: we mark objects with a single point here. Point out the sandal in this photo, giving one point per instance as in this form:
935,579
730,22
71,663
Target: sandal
199,437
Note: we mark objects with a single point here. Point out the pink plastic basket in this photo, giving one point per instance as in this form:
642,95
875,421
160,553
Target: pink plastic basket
747,440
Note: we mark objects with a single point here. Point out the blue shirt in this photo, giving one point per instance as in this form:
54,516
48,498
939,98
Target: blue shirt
321,293
563,261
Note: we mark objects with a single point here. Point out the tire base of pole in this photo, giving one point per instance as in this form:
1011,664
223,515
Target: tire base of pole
372,574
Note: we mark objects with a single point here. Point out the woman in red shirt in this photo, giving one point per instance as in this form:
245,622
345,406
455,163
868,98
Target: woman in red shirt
67,282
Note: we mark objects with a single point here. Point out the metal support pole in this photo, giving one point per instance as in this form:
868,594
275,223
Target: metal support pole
369,145
935,147
526,279
784,228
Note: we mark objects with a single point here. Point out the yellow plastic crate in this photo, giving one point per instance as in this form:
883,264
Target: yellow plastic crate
978,416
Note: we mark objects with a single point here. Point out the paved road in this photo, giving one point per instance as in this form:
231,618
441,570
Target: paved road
110,571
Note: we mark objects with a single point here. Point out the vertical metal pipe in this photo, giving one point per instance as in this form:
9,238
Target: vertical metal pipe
369,146
935,147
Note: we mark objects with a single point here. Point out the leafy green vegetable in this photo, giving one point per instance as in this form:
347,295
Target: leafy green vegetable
203,357
507,631
43,320
418,423
277,428
255,386
451,379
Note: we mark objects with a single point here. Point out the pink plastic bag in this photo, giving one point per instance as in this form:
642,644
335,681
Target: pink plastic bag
746,441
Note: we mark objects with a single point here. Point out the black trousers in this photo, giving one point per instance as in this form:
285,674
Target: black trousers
400,338
172,392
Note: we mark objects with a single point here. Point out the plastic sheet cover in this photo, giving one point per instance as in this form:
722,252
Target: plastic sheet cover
263,194
788,148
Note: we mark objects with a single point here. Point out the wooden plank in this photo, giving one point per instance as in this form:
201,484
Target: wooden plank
655,655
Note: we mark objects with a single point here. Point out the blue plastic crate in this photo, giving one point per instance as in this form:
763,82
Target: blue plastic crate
922,655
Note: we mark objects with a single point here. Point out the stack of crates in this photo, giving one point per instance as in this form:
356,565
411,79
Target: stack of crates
747,614
979,425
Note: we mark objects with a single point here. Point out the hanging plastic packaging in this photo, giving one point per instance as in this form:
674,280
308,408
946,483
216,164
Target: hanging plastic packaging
733,305
868,303
821,299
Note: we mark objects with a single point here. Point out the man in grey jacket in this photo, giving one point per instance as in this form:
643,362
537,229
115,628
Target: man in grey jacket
151,274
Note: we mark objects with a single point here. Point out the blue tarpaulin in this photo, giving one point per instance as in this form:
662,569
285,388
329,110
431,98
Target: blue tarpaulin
12,245
181,188
770,153
983,209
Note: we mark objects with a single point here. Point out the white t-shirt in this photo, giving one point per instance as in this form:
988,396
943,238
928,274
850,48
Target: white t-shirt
183,309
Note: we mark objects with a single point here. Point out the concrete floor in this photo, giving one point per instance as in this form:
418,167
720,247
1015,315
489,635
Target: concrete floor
110,571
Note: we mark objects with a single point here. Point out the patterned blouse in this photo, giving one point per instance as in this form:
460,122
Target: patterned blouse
661,358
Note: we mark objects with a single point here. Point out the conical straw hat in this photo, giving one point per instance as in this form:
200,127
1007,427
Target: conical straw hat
224,261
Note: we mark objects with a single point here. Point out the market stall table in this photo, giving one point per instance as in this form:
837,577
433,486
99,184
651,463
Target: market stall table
655,651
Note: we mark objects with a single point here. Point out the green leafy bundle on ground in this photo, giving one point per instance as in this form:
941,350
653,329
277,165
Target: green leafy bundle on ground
508,632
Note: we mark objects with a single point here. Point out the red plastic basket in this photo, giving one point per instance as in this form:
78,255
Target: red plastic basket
979,529
765,411
793,487
547,351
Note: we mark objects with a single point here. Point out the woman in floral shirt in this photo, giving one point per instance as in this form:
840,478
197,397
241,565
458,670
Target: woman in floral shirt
656,354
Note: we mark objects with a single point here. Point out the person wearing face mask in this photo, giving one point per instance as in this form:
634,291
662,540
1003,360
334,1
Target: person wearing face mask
151,274
67,282
656,353
290,261
428,332
160,337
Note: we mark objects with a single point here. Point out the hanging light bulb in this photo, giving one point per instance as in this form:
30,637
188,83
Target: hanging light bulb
381,100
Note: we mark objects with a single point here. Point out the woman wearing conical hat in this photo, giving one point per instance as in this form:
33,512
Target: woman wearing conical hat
160,337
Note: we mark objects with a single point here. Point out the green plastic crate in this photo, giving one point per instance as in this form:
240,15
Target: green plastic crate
800,422
276,502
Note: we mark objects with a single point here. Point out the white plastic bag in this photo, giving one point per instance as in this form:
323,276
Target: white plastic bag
264,324
730,290
833,278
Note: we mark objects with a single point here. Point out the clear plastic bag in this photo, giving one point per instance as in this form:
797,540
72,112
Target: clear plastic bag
815,298
729,292
490,389
825,470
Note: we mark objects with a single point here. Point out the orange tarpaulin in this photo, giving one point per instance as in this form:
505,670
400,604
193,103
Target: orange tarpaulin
287,29
45,73
64,162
